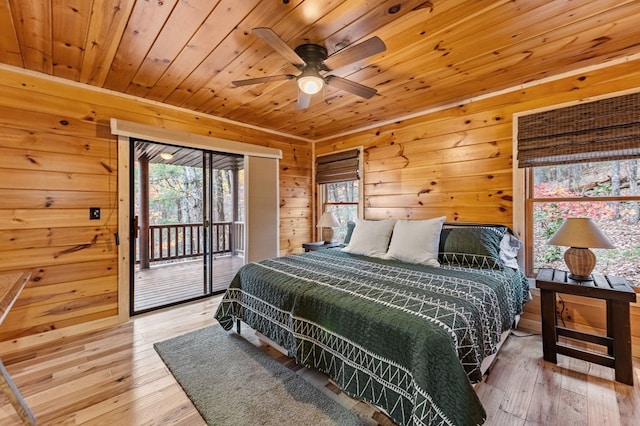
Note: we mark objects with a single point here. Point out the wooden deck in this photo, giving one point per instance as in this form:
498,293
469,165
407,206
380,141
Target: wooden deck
175,282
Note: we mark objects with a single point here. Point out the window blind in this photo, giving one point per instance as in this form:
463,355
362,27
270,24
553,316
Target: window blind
338,167
607,129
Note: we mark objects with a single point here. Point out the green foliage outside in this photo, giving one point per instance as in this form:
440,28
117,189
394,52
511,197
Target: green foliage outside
176,195
580,185
548,217
342,200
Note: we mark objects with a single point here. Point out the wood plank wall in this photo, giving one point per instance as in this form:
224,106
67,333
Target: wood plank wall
57,159
458,162
455,162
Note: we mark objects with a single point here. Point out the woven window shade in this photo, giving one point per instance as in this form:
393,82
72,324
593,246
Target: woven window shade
338,167
608,129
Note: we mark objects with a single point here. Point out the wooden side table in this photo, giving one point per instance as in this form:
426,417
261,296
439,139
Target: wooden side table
616,292
316,247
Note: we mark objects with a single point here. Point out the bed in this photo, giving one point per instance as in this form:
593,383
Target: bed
407,337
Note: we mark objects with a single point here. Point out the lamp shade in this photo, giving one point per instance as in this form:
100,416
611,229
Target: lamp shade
328,220
580,232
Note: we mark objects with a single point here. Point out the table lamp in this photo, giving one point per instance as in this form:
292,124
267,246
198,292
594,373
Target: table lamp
580,234
326,224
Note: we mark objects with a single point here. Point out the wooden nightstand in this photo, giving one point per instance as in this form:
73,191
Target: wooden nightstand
616,292
316,247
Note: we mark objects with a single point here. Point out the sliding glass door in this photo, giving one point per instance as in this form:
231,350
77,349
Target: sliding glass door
227,218
186,220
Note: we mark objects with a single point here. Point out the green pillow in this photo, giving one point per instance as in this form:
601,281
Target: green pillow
350,226
471,245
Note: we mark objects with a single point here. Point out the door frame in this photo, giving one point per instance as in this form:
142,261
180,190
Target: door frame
126,130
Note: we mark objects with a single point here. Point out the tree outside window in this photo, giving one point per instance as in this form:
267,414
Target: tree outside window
342,199
606,192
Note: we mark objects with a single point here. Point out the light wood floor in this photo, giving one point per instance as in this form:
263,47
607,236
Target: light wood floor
115,377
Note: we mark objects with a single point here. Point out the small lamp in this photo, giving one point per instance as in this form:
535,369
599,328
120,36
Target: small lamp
326,224
580,234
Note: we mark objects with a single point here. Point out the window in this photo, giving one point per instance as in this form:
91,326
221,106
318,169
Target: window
606,192
338,179
342,199
582,161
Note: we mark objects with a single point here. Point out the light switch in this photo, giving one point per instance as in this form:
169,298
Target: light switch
94,213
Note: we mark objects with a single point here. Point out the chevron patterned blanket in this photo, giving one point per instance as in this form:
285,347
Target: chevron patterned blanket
408,338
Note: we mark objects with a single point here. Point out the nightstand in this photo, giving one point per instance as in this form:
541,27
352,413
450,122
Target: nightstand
316,247
616,292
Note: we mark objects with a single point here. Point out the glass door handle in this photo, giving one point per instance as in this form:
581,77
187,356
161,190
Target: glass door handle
136,227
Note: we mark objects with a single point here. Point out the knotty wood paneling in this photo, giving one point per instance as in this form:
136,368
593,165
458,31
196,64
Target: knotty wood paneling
458,162
57,159
57,156
435,168
187,53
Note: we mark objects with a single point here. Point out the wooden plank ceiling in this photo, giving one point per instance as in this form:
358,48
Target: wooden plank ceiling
187,52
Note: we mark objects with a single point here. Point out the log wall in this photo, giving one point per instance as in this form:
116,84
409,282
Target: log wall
57,159
458,162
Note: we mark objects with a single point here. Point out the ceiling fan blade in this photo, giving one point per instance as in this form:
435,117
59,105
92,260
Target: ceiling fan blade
353,54
274,40
304,99
350,86
267,79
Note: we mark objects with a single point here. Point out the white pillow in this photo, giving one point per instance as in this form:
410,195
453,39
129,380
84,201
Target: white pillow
370,237
509,247
416,241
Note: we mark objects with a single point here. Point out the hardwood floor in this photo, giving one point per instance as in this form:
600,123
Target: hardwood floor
523,389
115,377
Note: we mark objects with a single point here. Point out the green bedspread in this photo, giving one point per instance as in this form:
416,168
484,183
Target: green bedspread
408,338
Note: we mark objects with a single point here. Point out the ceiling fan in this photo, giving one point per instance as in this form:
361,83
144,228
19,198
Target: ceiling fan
311,60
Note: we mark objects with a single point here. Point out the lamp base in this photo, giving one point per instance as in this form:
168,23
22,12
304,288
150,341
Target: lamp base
581,277
327,235
580,262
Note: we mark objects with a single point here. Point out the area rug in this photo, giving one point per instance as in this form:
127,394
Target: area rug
231,382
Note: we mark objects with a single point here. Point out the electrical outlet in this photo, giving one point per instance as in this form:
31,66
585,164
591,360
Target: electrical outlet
94,213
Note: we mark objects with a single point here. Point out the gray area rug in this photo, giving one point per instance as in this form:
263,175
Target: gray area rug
231,382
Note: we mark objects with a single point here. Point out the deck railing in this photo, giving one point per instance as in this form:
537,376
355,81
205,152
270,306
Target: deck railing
238,238
186,240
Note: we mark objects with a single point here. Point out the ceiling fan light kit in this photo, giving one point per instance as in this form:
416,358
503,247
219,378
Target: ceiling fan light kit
310,84
311,60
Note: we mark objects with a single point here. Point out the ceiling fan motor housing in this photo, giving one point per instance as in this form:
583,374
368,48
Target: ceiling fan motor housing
313,55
